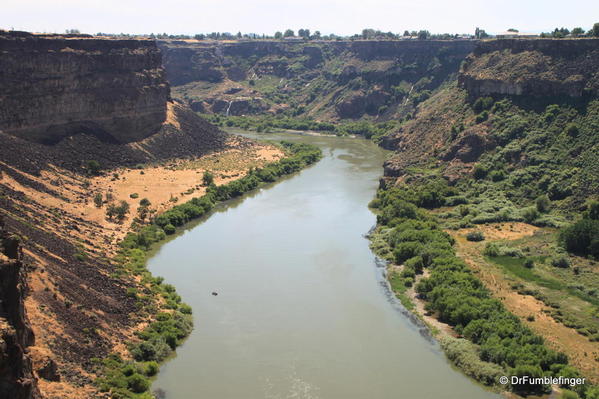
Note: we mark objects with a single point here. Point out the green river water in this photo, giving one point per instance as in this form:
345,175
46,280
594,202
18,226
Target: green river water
303,310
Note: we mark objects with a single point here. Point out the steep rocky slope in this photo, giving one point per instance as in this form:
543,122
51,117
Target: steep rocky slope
528,105
79,116
320,80
505,160
52,87
16,372
541,67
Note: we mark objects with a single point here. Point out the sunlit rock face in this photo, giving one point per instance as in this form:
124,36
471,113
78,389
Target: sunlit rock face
534,67
56,86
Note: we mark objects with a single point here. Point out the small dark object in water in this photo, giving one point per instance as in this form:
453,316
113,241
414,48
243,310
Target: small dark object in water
214,293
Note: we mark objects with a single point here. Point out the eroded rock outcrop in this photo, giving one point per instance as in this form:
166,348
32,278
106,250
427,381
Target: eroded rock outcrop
534,67
16,373
327,80
54,86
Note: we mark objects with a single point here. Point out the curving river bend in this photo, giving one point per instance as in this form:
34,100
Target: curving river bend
301,310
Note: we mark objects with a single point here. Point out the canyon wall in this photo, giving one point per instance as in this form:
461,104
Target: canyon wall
536,67
65,101
16,373
55,86
325,80
535,77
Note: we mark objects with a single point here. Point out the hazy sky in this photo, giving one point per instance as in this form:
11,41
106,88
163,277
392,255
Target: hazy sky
267,16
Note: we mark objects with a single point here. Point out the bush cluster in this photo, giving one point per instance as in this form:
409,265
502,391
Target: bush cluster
270,123
582,237
128,379
460,299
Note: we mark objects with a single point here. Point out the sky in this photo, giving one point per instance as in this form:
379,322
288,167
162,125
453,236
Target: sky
342,17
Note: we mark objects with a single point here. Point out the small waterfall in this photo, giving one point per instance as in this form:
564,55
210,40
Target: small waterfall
408,96
229,107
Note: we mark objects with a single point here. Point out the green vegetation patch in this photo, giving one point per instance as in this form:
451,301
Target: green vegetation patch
172,318
498,342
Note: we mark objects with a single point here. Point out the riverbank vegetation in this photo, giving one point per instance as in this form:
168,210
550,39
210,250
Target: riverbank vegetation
128,376
268,123
498,342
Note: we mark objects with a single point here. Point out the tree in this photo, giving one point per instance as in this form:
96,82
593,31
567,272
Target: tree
111,211
98,200
278,35
424,34
93,167
368,33
138,383
145,202
289,33
595,30
316,35
543,204
592,210
406,33
120,211
582,237
142,213
480,33
576,32
305,33
239,35
207,179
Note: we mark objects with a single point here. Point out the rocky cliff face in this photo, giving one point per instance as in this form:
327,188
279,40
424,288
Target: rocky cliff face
539,67
527,80
64,101
321,80
16,373
54,86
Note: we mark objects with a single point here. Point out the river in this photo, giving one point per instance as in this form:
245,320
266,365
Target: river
302,310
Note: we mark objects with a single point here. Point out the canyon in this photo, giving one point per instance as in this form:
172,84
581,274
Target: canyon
132,106
84,117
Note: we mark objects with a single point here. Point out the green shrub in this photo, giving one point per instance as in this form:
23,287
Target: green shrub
93,167
460,299
169,229
483,116
138,383
543,204
145,202
529,263
530,214
582,237
466,356
207,178
592,211
572,130
482,104
479,172
98,200
455,200
185,309
561,262
475,236
406,250
151,368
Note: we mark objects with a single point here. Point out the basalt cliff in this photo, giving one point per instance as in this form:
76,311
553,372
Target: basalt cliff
321,80
82,117
53,87
540,67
